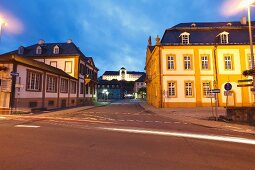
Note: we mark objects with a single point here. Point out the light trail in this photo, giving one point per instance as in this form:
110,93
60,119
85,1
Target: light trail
184,135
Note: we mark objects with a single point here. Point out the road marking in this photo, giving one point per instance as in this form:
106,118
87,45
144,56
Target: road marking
185,135
1,117
27,126
177,122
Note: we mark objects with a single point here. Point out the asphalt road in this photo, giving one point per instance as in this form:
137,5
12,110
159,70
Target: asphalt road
102,141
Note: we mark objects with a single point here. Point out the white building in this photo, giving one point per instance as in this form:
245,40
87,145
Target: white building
47,76
122,74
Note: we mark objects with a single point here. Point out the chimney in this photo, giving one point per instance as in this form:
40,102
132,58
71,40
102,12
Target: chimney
243,21
41,41
157,40
69,41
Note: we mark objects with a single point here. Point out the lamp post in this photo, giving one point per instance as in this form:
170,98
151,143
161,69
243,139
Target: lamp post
251,45
2,24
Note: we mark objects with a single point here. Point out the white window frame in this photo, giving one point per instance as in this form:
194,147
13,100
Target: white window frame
38,50
51,84
185,36
206,88
34,80
187,62
204,62
56,50
63,85
224,37
228,62
189,89
171,89
170,62
73,87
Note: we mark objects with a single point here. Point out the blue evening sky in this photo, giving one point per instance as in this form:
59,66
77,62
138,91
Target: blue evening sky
113,32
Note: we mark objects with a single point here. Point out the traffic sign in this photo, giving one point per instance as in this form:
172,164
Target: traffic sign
14,74
228,86
215,91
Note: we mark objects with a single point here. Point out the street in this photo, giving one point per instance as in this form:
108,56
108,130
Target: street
119,136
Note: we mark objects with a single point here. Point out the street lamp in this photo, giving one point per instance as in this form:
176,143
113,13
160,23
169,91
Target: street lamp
2,24
251,44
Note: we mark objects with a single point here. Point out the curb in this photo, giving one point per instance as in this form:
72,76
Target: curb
251,131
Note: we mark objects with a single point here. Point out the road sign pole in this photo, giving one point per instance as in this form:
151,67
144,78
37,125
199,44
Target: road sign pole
216,106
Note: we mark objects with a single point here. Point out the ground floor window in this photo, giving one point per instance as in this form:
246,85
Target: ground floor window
206,88
34,81
64,85
172,89
73,87
189,89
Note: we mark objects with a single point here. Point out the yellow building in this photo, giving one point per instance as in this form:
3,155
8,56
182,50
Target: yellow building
193,58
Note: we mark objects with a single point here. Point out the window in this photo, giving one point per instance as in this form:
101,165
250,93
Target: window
82,68
21,50
39,50
53,64
32,104
187,62
82,88
172,89
206,88
228,62
68,66
63,85
56,50
185,37
188,89
224,37
204,62
34,80
249,61
72,87
171,62
51,84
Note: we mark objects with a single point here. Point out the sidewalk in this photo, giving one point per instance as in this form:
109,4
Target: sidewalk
198,116
62,112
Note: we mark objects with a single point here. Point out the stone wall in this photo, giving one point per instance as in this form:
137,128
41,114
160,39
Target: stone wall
241,114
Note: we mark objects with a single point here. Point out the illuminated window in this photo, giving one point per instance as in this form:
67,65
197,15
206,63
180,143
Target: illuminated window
172,89
170,62
228,62
56,50
204,62
206,88
51,84
187,62
185,37
188,89
38,50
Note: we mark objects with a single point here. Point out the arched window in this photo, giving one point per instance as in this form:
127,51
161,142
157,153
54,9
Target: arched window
185,37
38,50
224,37
56,50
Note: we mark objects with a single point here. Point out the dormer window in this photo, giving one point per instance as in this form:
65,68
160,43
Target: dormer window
56,50
224,37
38,50
21,50
185,37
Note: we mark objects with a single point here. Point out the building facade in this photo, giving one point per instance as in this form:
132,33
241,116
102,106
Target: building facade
193,58
109,90
122,75
47,76
140,83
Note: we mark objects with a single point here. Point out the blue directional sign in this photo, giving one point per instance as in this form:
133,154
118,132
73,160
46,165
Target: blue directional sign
14,74
228,86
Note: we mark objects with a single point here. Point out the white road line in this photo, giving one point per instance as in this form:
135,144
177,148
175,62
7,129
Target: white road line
177,122
157,121
27,126
130,120
122,120
1,117
185,135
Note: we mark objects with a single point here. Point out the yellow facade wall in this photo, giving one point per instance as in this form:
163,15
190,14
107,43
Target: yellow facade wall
158,75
